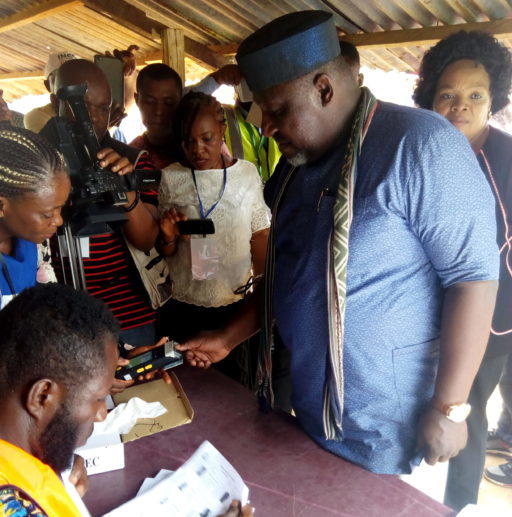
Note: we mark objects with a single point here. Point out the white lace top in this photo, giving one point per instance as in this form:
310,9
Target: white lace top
240,213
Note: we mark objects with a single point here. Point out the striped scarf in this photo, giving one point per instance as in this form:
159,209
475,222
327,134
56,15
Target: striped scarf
336,277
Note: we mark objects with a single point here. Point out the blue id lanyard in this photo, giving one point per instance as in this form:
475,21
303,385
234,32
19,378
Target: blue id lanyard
214,206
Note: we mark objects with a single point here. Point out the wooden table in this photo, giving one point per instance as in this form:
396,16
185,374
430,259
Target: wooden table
286,472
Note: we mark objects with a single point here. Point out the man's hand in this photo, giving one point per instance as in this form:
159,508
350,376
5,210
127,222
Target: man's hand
78,475
113,160
127,57
440,438
204,349
5,112
236,510
118,386
156,373
228,74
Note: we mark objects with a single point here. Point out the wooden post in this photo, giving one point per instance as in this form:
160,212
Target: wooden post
173,47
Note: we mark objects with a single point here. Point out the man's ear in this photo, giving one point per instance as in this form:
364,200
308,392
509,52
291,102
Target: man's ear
43,399
323,85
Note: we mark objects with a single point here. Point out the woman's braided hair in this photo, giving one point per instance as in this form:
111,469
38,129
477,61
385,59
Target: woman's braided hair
27,162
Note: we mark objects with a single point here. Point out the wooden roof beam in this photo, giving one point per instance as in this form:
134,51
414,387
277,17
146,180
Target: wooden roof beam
36,12
137,20
23,76
426,36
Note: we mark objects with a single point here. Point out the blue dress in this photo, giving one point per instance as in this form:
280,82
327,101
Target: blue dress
22,268
423,221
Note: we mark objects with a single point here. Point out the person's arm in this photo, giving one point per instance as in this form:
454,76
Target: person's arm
169,232
459,238
213,346
259,251
141,228
229,75
127,57
465,327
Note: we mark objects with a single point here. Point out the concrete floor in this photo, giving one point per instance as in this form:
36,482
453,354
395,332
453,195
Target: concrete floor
496,500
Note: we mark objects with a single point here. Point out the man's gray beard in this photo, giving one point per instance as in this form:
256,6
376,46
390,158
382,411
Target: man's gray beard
299,159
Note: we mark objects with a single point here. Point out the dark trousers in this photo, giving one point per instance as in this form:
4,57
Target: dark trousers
504,430
466,469
182,321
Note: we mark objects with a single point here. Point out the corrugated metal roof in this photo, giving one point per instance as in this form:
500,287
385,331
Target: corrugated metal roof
86,32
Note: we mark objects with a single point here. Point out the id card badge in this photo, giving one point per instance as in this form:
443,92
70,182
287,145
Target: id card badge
205,258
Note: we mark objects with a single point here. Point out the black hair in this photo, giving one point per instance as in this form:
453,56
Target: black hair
477,46
350,53
187,111
27,162
158,72
53,331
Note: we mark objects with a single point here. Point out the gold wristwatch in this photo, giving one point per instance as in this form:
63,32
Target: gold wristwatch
455,412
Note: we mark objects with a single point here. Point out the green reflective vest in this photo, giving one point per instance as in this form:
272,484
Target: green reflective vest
245,141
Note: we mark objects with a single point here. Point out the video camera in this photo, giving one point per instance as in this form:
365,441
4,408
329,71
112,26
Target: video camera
97,194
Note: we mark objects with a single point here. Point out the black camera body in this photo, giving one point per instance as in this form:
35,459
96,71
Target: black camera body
97,194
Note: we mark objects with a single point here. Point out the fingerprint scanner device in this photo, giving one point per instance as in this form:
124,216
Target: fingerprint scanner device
196,227
165,356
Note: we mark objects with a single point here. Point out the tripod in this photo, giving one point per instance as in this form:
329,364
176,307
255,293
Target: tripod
71,244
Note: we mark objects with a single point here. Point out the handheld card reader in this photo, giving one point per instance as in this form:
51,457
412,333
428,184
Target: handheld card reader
165,356
196,227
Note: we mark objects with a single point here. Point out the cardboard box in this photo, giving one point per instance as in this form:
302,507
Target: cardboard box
103,453
171,396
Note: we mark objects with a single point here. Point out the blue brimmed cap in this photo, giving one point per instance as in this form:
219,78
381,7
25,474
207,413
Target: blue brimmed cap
287,48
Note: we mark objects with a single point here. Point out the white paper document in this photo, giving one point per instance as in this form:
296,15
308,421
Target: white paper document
149,483
204,486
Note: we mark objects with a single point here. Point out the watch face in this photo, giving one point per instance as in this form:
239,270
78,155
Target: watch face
458,413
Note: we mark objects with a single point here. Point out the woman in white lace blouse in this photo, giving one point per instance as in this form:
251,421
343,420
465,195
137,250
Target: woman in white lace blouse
209,270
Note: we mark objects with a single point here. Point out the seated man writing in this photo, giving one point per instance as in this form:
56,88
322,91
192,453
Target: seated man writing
59,353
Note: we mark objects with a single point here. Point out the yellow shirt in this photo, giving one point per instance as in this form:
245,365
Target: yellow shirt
22,475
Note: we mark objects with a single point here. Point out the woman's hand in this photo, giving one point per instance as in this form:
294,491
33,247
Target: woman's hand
169,224
113,160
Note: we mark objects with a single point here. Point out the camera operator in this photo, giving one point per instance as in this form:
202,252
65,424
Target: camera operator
109,270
